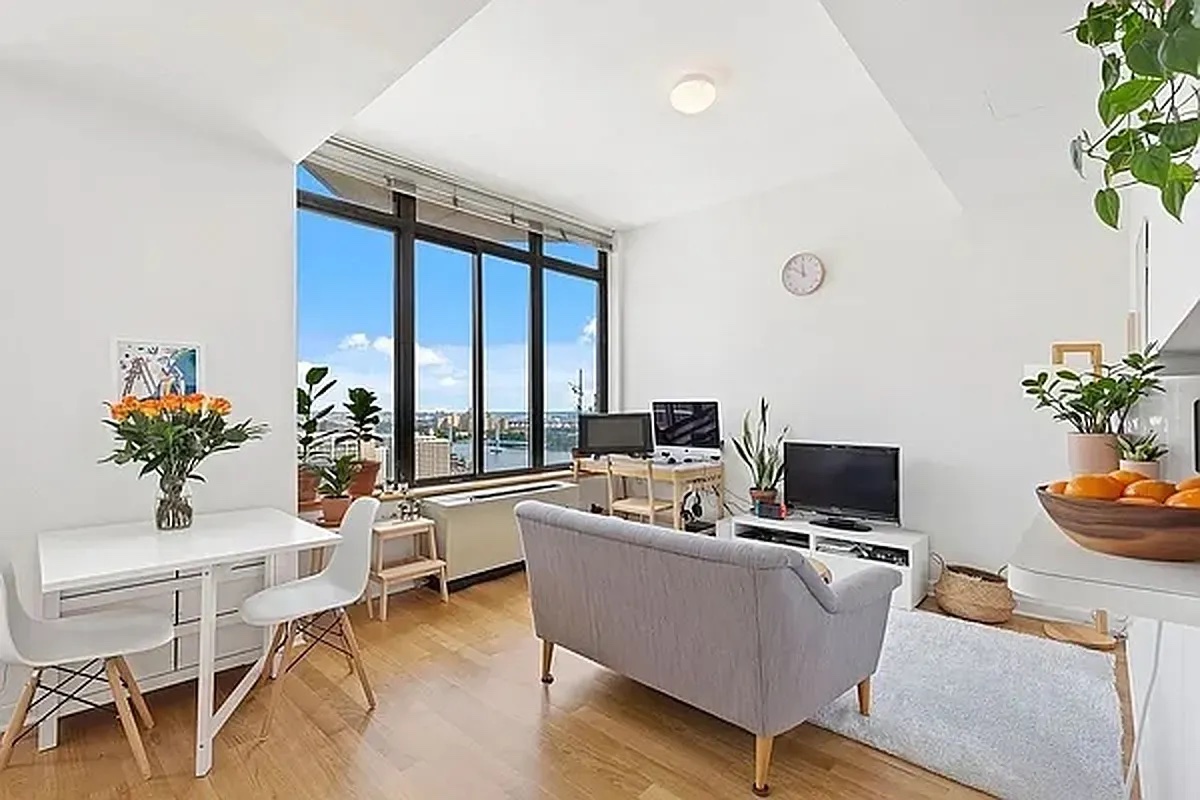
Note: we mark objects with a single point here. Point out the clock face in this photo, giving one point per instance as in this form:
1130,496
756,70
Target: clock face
803,274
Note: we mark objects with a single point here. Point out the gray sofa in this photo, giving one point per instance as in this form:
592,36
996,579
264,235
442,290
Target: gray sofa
743,630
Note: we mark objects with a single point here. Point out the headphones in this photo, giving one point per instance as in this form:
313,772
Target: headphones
692,507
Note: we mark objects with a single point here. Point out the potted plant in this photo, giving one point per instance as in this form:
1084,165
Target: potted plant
336,479
762,456
1141,454
171,436
308,431
1097,405
364,418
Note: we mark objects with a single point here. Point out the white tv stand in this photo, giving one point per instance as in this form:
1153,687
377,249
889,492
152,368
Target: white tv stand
847,552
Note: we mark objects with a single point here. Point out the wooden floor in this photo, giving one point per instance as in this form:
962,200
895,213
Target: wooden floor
461,716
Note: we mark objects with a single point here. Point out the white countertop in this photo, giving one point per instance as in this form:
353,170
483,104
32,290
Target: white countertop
1050,567
82,557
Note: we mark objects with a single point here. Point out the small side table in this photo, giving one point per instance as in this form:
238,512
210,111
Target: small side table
422,564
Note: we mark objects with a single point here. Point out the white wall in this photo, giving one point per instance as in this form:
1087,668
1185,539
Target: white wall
113,225
919,336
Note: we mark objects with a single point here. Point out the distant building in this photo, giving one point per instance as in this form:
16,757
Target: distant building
433,457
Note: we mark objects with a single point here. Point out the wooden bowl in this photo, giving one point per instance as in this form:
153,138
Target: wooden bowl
1153,533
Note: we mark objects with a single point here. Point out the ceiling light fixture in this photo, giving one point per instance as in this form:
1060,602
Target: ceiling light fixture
693,94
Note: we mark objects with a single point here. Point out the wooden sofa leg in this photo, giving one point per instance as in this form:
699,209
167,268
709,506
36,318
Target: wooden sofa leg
864,697
547,659
762,763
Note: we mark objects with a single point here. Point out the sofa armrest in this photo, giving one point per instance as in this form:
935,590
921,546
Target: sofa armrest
863,588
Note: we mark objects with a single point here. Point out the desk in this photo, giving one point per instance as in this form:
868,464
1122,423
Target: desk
683,476
87,557
1050,567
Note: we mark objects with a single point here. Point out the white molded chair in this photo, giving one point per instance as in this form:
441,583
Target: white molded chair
76,646
301,606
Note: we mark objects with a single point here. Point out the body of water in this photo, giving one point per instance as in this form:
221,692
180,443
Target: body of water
497,459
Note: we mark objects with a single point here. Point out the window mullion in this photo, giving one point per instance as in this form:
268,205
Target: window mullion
536,432
478,426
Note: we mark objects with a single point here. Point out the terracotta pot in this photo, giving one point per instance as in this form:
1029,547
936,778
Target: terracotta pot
334,508
764,495
1148,468
363,484
306,484
1091,453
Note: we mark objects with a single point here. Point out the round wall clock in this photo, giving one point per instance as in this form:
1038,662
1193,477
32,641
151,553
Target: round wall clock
803,274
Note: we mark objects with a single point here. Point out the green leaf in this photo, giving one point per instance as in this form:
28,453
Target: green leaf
1108,207
1180,136
1181,51
1126,97
1127,139
1117,163
1151,166
1110,71
1142,51
1175,190
1179,14
315,375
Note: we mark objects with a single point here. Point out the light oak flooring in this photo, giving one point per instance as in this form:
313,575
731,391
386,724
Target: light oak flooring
461,716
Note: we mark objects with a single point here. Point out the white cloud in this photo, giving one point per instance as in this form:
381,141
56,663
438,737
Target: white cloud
384,344
355,341
428,357
588,334
448,382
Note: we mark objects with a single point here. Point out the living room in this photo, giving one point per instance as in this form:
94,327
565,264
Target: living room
494,217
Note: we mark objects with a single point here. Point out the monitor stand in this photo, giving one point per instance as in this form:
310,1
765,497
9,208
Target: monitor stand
842,524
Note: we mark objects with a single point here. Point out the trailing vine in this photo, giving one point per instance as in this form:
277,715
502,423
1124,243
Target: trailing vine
1149,102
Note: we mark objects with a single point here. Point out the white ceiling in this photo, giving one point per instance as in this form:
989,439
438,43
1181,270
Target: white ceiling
565,103
284,73
992,91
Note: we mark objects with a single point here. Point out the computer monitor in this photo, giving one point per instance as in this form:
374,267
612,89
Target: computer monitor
615,434
685,428
847,482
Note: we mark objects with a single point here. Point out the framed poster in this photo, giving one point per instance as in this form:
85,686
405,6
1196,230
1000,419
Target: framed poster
154,369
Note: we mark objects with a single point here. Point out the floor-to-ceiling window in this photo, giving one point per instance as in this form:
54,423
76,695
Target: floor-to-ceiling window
484,342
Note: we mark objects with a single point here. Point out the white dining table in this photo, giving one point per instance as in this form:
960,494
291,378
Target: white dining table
89,557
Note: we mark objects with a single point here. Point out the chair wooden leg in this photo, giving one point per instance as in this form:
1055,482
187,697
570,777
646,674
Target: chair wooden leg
367,597
126,715
864,697
20,711
762,763
352,643
269,661
383,600
135,692
547,662
289,639
442,584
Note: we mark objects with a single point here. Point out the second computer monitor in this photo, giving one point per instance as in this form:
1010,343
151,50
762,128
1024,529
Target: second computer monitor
687,428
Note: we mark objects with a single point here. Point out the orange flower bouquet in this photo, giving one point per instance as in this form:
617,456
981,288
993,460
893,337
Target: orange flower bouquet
171,435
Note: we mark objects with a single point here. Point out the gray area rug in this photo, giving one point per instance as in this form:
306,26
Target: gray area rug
1013,715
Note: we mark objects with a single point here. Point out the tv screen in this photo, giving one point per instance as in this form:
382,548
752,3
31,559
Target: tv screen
694,424
843,480
615,434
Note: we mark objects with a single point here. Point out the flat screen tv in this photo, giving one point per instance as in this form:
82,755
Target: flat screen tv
687,426
615,434
845,482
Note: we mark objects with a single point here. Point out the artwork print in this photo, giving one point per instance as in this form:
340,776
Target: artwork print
157,369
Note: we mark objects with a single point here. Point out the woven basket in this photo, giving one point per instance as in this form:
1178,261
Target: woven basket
973,594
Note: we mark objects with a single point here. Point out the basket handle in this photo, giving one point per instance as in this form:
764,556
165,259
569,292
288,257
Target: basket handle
936,560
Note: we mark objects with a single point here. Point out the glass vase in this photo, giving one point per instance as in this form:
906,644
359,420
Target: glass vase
173,506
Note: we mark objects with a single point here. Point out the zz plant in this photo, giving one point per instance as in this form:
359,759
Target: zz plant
1149,100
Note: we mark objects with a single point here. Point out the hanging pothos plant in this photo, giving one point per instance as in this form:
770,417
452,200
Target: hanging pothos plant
1150,100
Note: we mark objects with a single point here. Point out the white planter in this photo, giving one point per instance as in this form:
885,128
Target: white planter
1148,468
1091,453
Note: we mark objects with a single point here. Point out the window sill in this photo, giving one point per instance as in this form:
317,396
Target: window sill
481,483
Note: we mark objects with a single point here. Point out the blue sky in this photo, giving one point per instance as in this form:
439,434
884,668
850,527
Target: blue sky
344,316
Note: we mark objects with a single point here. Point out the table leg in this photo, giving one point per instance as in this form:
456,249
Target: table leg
207,668
676,511
721,495
48,729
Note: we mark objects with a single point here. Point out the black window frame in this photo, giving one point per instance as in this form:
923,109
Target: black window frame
407,232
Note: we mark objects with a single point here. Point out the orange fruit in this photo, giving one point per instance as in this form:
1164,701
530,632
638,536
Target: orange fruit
1094,487
1188,483
1138,501
1127,476
1158,491
1058,487
1188,498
